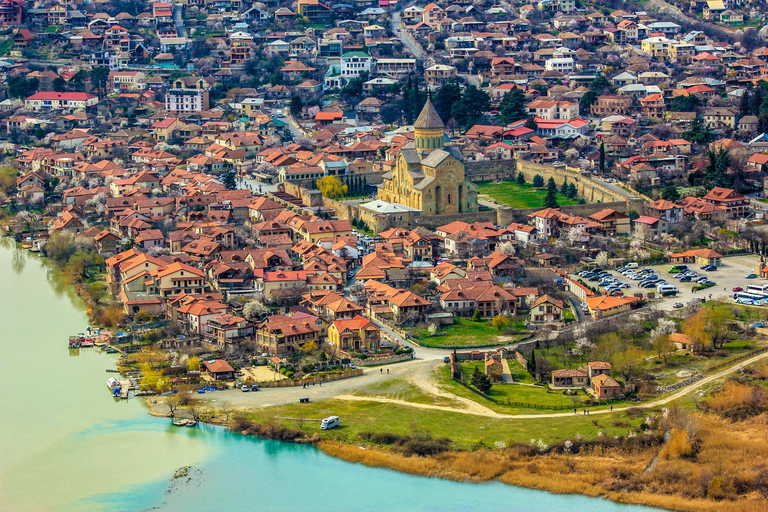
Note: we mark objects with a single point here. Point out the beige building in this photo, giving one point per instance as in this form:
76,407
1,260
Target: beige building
427,175
439,74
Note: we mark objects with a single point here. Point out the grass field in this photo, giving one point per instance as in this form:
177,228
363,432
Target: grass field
511,193
466,333
465,430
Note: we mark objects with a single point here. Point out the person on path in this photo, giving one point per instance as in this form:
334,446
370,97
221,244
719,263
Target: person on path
381,370
387,371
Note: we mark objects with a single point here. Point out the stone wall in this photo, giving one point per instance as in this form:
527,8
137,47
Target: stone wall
490,170
590,190
329,377
433,221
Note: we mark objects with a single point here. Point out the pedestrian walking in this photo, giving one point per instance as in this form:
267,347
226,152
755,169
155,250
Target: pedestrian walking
381,370
574,410
611,408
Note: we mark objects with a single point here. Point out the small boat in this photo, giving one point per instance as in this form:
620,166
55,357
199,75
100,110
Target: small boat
74,342
184,423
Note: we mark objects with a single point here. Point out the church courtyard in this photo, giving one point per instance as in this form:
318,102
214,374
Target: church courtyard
511,193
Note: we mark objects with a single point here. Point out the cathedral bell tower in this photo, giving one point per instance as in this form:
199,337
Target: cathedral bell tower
429,130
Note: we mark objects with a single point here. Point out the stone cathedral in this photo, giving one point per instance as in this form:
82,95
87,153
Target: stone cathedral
427,175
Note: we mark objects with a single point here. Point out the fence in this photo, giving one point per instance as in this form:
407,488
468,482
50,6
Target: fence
287,383
742,357
520,405
474,390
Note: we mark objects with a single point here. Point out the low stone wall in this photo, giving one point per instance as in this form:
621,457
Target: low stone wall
433,221
377,361
287,383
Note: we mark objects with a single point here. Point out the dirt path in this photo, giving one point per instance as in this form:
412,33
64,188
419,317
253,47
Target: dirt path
422,379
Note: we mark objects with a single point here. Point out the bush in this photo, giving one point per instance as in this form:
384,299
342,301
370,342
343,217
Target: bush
425,445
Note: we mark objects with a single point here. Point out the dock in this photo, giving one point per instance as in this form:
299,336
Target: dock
125,387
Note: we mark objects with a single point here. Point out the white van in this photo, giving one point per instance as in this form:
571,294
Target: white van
667,289
329,423
631,265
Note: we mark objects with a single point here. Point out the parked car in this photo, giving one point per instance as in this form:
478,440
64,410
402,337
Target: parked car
709,268
751,276
737,289
245,389
686,279
631,265
677,305
446,359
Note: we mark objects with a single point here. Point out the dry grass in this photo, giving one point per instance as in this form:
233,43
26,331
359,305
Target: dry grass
709,464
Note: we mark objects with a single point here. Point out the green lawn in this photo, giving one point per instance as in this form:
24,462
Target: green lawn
465,430
522,374
511,193
503,393
466,333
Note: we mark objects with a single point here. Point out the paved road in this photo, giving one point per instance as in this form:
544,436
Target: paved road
296,130
406,38
180,28
576,308
281,396
613,186
763,32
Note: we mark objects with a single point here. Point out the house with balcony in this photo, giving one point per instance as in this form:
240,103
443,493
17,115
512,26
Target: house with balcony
546,310
357,333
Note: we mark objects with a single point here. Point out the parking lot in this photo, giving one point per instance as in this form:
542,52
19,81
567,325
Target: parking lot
730,274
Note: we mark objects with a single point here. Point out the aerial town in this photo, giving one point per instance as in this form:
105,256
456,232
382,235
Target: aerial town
568,198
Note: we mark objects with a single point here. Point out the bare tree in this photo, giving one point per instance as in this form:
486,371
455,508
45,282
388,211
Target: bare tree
172,401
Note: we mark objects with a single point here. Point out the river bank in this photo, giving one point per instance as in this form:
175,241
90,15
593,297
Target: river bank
92,452
678,458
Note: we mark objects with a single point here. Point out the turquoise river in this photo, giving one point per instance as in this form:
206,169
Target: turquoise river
67,445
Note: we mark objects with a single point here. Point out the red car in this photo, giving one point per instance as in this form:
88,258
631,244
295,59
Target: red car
738,289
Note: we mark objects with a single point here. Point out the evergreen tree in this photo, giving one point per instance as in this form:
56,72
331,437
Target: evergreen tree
744,107
586,101
444,99
228,180
550,201
530,123
670,193
538,181
532,363
471,107
481,381
564,188
520,178
296,105
602,157
572,191
512,107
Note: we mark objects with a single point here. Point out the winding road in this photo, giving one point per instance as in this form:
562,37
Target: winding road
420,373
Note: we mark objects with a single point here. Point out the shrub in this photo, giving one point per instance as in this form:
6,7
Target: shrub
425,445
